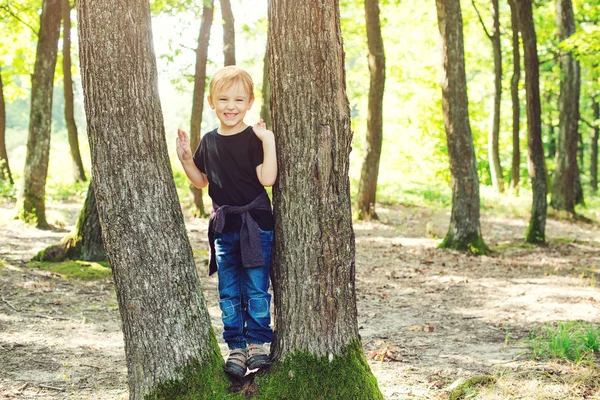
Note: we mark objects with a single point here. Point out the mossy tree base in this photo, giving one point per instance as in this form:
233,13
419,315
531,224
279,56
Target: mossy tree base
473,243
200,381
68,248
305,376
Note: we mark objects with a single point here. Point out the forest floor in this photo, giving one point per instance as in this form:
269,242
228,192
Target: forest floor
428,318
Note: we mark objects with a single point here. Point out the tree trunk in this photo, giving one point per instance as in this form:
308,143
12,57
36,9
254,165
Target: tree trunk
516,104
78,171
33,207
464,232
317,348
594,146
170,347
536,232
198,96
228,32
367,188
566,170
494,132
85,243
265,109
5,174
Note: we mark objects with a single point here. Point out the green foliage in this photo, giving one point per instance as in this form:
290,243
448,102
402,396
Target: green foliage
305,376
574,341
83,270
206,381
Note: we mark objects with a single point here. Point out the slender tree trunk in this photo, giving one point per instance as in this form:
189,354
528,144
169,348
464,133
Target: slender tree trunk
566,170
78,171
5,174
85,243
33,202
228,32
536,232
464,232
198,96
516,104
317,347
171,351
367,188
594,145
494,132
265,109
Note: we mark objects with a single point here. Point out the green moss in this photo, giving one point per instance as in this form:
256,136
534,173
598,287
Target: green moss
305,376
466,386
200,381
473,244
534,232
84,270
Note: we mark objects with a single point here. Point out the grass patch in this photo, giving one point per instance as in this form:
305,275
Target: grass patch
84,270
574,341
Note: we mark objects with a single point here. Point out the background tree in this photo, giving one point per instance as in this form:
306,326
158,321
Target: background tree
367,189
514,91
198,94
594,145
566,171
316,345
170,347
5,174
85,243
78,171
464,232
228,32
33,202
536,232
494,132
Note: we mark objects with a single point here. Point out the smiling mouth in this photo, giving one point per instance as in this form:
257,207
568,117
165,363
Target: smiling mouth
230,115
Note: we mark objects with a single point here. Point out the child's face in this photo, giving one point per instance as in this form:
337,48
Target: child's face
231,105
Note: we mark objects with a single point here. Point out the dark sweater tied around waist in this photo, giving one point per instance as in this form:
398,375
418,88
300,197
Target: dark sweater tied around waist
251,249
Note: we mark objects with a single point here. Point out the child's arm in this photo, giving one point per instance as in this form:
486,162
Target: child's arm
267,171
184,152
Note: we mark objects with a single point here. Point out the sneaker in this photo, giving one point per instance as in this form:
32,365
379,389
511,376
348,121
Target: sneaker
258,358
236,363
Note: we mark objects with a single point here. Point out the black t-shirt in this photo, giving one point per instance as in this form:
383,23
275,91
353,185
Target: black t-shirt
230,162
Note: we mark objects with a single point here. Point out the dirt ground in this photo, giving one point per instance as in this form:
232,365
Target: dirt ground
443,315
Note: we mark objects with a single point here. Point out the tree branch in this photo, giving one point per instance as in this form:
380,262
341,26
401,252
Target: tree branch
594,125
15,16
487,33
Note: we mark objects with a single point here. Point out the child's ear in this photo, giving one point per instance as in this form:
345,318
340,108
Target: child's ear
210,102
250,102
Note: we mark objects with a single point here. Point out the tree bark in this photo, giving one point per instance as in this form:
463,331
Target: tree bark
228,32
33,203
314,254
566,170
536,232
367,188
85,243
78,171
464,232
494,132
5,174
170,347
198,96
265,109
594,145
516,104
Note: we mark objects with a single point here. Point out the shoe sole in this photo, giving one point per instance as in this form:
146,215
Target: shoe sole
234,370
259,362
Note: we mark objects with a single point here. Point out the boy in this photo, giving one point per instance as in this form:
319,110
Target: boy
237,161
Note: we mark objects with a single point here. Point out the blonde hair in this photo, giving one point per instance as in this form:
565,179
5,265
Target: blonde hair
227,77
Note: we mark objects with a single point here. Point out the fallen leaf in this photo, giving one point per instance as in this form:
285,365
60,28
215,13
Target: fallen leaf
415,328
428,327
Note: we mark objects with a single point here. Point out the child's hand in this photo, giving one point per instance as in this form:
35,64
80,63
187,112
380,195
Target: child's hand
184,152
261,131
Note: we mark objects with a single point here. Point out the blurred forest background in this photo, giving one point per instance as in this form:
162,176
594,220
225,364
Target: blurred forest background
414,159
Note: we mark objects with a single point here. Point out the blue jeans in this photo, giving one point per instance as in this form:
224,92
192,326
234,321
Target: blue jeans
243,292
